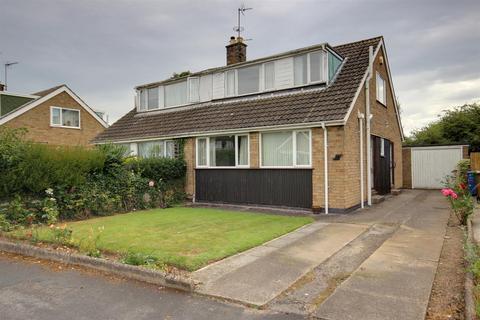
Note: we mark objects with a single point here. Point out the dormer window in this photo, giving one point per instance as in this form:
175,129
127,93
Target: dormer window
269,75
230,83
176,94
308,68
152,94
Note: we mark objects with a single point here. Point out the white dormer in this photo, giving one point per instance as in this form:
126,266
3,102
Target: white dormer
316,66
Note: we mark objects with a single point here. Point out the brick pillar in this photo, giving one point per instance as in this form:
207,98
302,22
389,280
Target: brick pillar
189,151
254,150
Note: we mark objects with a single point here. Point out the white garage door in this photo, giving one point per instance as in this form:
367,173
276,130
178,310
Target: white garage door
430,165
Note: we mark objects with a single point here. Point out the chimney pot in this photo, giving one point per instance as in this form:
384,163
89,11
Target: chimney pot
236,51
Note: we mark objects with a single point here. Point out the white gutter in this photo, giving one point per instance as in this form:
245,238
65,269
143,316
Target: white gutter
325,165
368,116
361,117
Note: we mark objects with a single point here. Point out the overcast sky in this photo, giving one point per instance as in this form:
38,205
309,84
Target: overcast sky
102,49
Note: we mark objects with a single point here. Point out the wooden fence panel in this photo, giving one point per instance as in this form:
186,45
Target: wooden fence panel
475,161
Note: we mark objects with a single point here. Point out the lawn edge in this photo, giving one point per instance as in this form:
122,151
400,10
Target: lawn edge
128,271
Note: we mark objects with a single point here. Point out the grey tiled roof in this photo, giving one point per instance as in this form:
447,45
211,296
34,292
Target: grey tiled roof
300,106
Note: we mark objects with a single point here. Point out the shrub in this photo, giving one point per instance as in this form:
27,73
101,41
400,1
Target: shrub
139,259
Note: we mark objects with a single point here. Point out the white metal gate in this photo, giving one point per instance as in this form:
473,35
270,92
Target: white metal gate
430,165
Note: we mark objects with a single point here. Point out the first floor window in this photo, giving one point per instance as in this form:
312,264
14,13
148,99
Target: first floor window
222,151
381,90
65,117
157,148
286,148
249,79
176,94
152,98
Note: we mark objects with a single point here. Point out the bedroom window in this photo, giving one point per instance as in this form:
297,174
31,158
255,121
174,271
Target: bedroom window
269,69
152,98
308,68
176,94
286,148
223,151
63,117
230,83
381,90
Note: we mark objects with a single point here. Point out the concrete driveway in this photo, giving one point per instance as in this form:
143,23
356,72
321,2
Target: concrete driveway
377,263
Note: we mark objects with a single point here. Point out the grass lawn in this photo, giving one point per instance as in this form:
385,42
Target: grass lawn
187,238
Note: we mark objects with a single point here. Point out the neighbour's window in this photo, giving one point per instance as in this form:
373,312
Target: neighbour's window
381,90
248,79
152,98
127,149
286,148
143,99
230,83
222,151
157,148
176,94
269,68
63,117
316,69
194,89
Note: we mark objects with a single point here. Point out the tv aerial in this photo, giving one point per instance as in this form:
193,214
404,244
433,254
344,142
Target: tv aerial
238,28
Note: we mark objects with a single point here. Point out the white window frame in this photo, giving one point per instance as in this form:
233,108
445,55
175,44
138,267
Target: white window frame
61,118
294,146
164,147
265,77
384,102
189,97
237,165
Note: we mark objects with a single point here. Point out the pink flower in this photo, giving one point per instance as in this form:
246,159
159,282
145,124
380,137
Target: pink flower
447,191
151,183
454,195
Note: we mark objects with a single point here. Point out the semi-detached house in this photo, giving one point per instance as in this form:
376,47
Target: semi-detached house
316,128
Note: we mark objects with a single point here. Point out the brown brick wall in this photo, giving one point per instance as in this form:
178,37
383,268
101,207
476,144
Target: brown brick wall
407,167
254,150
384,121
37,121
189,151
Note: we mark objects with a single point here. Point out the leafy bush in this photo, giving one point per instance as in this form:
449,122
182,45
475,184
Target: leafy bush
139,259
80,182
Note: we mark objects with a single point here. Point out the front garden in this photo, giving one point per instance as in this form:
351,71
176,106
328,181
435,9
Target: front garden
100,202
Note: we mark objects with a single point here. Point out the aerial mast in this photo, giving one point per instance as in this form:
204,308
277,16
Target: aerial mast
241,12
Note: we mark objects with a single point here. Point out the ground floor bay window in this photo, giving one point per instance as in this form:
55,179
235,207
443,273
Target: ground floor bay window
286,149
223,151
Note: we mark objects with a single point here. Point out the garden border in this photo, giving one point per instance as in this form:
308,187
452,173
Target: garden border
470,312
124,270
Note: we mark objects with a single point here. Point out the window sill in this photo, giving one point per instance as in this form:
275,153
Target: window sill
381,103
238,167
65,127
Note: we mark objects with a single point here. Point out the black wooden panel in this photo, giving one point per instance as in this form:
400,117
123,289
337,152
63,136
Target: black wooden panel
273,187
381,166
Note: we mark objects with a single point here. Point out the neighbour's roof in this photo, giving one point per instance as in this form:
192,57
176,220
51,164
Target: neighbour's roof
45,95
292,107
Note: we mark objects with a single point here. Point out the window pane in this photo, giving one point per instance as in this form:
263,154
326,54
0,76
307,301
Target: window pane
170,149
143,99
230,84
176,94
70,118
303,148
222,151
151,149
248,79
300,69
277,149
333,65
126,147
194,86
316,66
56,116
380,89
269,75
242,152
202,152
152,98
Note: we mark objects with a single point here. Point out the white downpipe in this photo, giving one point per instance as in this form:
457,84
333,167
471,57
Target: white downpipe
325,165
361,116
368,117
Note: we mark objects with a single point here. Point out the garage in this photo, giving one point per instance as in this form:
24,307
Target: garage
426,167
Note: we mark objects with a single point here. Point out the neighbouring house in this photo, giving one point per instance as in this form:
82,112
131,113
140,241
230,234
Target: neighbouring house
315,128
55,116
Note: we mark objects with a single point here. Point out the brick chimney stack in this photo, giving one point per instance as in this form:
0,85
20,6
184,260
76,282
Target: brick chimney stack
236,50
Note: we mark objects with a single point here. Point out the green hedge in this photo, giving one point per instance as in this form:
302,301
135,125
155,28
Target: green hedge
82,181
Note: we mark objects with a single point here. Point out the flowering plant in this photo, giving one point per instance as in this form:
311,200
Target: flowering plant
459,197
